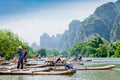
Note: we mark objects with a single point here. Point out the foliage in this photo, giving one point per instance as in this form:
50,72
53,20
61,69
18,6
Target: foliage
117,50
48,52
9,43
53,52
102,51
64,53
94,47
31,53
78,48
42,52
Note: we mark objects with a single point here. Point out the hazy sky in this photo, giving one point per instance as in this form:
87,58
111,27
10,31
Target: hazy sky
31,18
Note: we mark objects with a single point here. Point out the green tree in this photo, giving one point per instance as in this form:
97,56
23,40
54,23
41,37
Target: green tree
93,47
111,49
9,43
42,52
76,49
64,53
102,51
117,50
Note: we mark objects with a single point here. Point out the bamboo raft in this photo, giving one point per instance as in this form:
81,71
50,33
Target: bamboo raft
43,65
4,63
97,68
36,72
48,71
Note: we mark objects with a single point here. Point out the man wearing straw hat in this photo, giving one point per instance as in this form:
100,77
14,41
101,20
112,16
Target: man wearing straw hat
20,57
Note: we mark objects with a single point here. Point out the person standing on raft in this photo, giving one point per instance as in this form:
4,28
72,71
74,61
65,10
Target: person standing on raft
20,57
25,55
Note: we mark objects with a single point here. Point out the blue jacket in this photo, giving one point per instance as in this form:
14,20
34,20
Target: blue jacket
69,66
20,53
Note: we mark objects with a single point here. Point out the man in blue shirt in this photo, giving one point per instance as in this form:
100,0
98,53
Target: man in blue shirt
20,57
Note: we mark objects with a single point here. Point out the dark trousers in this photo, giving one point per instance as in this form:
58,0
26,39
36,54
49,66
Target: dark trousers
20,63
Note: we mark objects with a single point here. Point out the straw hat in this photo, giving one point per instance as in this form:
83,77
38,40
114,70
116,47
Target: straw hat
20,47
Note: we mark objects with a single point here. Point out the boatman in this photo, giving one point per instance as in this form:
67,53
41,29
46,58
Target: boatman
20,57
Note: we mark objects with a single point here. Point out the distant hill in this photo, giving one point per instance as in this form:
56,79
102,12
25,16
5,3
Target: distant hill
34,46
49,42
105,21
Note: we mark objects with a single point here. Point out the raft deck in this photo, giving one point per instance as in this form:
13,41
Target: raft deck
36,72
97,68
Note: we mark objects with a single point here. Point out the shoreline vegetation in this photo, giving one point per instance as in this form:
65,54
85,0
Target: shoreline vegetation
96,46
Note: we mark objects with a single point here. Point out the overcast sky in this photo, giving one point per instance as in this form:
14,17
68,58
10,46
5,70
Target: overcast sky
31,18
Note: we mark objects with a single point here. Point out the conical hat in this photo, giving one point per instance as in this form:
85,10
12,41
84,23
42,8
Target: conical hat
20,47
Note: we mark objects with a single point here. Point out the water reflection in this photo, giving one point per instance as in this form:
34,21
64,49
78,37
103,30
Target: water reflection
97,75
47,77
11,77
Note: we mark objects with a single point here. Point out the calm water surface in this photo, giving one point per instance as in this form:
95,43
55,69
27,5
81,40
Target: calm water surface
113,74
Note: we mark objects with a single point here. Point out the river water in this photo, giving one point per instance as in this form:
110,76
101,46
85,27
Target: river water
112,74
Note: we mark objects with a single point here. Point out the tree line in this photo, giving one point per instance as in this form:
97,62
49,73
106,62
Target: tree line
96,46
9,43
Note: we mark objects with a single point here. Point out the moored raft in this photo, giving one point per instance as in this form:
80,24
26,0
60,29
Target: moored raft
66,72
4,63
97,68
37,72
